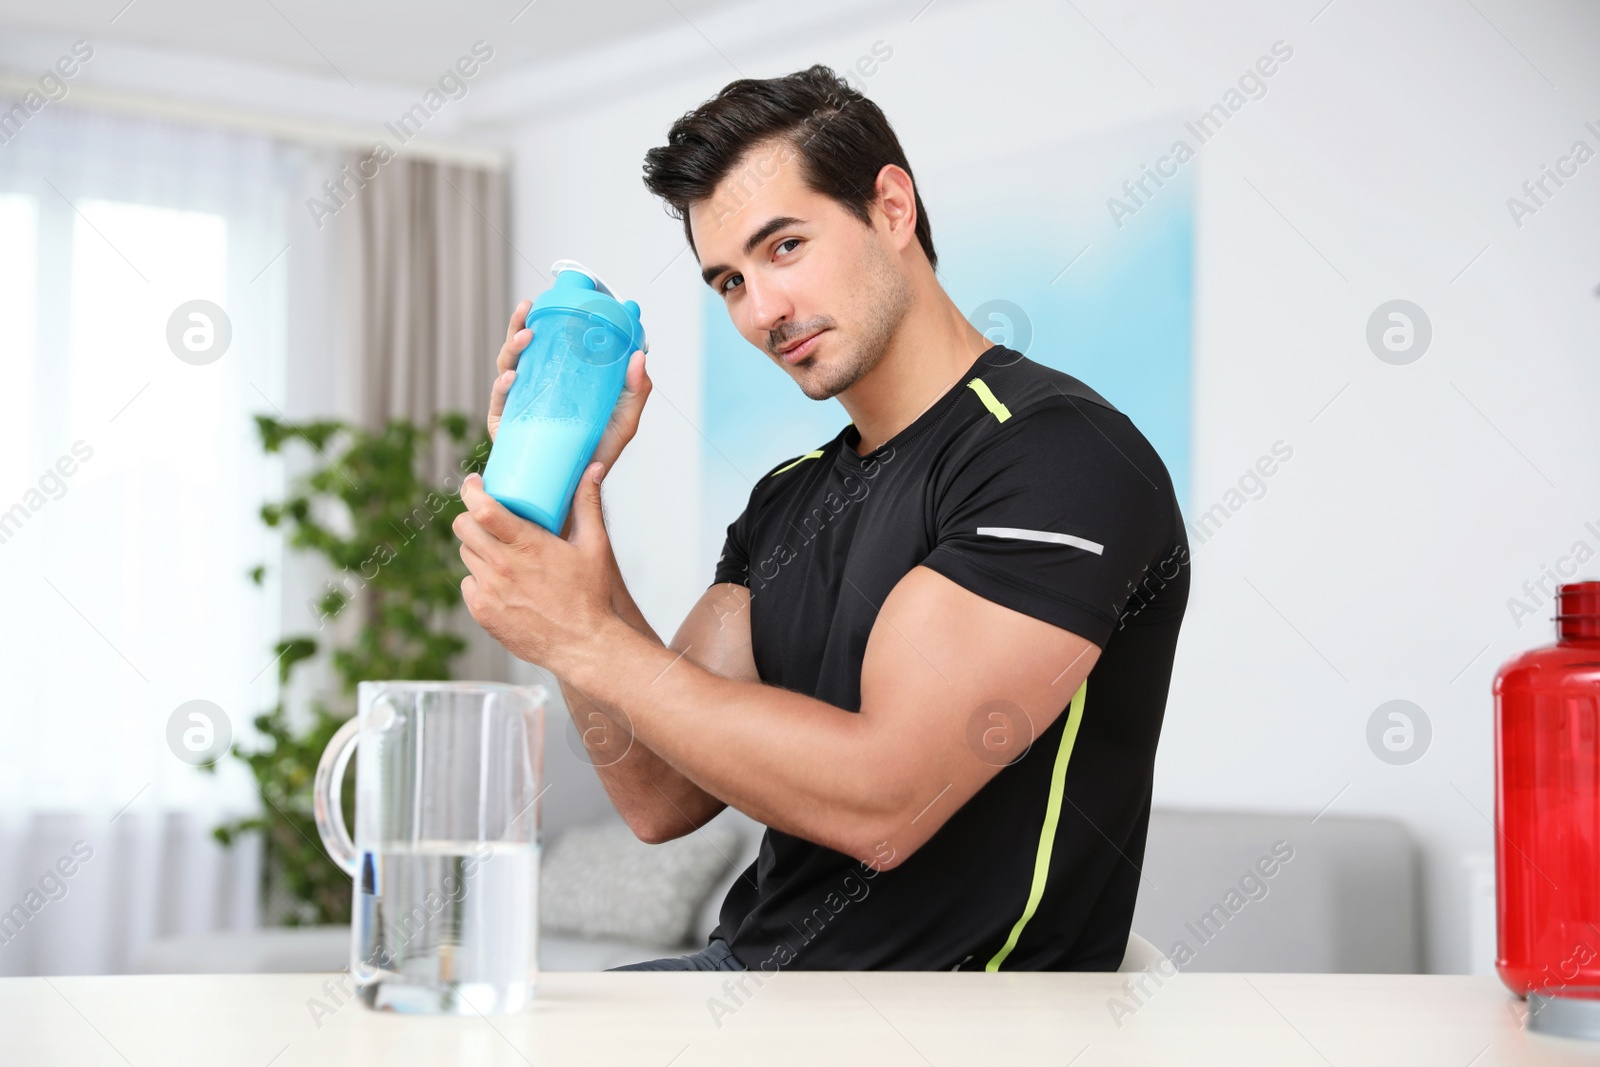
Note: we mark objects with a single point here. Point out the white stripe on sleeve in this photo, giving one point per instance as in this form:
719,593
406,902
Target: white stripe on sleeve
1041,535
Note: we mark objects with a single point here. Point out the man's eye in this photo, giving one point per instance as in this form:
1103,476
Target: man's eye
729,281
787,241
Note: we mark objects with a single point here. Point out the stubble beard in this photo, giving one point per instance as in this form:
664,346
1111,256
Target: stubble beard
887,300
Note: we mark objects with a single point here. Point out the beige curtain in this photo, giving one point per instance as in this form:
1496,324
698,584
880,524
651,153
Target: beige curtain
431,257
434,291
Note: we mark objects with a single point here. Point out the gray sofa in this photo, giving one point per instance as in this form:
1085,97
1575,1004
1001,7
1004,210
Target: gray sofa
1221,891
1347,899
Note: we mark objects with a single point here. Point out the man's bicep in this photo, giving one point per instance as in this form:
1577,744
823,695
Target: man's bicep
1051,515
716,633
961,686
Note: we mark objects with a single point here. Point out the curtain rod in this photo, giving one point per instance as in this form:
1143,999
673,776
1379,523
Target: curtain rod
284,126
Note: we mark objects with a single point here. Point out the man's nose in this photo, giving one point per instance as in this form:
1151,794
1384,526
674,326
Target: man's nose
768,305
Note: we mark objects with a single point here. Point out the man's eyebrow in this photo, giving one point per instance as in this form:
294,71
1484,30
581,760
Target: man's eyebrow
771,227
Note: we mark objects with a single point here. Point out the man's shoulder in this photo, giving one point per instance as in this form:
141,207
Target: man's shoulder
789,463
1023,384
1037,404
1053,424
789,474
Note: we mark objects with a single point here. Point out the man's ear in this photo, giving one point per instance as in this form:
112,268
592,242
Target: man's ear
897,200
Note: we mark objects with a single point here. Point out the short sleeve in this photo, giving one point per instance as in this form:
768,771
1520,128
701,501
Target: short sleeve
1056,513
734,563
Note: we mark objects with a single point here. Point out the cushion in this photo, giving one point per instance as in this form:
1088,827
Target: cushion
601,881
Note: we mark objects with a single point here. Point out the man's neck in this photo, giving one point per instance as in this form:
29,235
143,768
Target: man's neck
930,352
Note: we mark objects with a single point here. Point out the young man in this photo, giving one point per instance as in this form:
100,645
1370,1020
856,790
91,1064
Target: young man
935,655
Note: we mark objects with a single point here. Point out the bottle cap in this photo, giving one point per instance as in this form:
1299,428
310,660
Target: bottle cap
1578,610
577,288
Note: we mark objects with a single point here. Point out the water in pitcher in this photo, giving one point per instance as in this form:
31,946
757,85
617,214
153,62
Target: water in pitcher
440,929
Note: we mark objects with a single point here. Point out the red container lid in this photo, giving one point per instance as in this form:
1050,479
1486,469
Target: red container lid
1578,611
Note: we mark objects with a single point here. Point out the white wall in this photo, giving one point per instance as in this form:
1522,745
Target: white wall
1379,562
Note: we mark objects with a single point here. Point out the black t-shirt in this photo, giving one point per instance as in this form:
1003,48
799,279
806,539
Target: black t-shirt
1024,486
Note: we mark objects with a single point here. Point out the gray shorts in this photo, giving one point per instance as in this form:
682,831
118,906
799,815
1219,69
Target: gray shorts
716,956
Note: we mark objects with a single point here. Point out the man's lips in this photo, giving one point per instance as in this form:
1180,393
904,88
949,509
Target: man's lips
801,350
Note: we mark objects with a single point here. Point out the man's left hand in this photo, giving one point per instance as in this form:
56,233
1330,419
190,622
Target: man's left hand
541,596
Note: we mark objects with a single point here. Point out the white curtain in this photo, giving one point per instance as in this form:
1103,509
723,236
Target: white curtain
83,895
130,481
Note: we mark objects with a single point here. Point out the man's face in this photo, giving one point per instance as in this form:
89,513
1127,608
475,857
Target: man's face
803,279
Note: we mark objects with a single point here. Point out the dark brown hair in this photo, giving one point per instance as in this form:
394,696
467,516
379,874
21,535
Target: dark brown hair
843,141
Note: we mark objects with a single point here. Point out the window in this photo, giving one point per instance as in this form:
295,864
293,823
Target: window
130,478
18,253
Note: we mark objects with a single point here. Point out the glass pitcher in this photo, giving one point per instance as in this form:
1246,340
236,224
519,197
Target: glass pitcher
445,859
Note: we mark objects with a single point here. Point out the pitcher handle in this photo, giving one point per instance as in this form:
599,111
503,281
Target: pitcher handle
326,800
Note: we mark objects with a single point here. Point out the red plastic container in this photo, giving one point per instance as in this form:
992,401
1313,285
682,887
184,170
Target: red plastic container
1547,814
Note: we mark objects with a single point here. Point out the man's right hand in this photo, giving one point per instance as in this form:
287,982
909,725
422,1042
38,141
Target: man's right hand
657,801
624,422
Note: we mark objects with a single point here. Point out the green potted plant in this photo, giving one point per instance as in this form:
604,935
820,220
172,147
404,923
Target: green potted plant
398,565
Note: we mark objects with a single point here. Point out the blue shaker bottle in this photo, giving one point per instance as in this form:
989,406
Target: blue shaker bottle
568,380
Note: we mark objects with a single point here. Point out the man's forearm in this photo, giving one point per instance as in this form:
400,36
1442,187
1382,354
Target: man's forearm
792,762
654,798
623,604
657,801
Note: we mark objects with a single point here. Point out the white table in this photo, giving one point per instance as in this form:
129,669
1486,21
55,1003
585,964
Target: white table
657,1020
